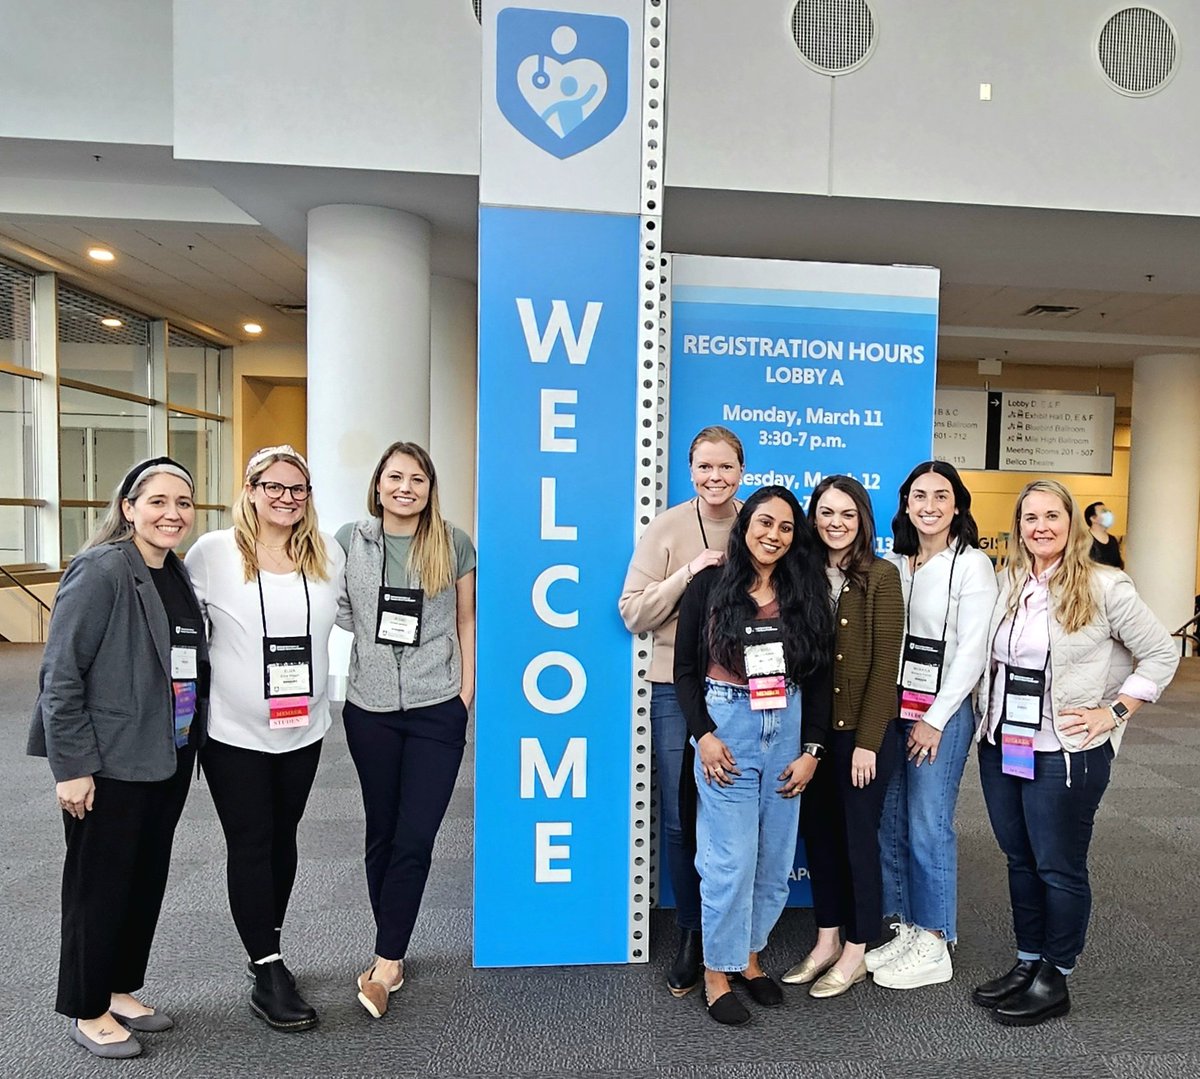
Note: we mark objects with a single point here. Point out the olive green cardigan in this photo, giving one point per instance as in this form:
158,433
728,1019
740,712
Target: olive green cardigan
870,632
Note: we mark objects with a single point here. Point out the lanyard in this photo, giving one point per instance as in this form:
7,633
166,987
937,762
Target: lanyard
700,520
949,594
1012,628
262,605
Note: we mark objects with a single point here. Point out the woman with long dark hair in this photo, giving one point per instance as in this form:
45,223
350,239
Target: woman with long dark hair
949,588
410,603
120,714
751,633
839,814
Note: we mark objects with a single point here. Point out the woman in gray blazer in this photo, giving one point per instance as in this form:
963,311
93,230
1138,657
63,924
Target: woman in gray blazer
120,714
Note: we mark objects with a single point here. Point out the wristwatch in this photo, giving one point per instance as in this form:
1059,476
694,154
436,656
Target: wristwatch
1119,713
813,749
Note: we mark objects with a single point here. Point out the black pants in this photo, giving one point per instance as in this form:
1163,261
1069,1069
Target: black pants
407,762
840,825
114,878
260,798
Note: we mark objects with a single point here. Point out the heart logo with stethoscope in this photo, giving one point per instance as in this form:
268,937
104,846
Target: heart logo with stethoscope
562,77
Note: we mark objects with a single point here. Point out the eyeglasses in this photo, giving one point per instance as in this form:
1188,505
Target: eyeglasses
299,491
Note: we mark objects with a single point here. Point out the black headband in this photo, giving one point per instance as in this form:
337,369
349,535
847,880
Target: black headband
135,473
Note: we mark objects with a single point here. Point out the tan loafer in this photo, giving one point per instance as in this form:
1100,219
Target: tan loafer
374,995
804,972
833,984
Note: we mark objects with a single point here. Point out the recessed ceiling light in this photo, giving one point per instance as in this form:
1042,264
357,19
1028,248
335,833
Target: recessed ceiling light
251,327
112,323
100,254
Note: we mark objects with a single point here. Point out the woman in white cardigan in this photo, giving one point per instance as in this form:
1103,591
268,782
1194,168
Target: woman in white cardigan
1074,653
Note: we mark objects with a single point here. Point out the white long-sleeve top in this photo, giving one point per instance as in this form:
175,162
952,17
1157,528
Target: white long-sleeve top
971,596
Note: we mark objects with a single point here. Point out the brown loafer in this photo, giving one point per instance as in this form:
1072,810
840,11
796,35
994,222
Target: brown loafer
374,995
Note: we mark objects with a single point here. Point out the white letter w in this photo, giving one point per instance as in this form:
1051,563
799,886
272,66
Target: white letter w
540,345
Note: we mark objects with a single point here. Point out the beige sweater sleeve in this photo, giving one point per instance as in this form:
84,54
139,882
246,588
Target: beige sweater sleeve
656,580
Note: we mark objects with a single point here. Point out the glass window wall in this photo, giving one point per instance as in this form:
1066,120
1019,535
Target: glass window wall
16,295
193,372
102,343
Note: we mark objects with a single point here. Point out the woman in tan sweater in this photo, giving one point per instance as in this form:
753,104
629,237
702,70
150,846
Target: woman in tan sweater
839,813
678,544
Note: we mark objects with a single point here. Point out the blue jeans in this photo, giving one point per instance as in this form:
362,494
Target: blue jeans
668,729
746,832
1044,828
917,842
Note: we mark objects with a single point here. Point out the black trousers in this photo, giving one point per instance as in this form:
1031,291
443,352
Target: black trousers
407,762
114,878
840,825
260,798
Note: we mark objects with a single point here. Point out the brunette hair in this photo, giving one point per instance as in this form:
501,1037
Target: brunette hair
857,561
113,527
964,532
800,587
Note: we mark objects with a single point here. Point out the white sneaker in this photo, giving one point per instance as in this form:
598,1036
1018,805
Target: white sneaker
893,949
927,962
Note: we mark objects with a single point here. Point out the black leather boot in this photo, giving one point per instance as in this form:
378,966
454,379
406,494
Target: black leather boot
993,993
1044,998
274,998
684,974
250,966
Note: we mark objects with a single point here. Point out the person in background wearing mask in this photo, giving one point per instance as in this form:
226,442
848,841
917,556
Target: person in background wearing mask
1105,548
677,545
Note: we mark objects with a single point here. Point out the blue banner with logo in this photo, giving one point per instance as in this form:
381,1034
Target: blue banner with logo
818,368
558,324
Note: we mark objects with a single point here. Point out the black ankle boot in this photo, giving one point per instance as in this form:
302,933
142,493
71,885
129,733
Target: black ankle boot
274,998
1044,998
993,993
684,974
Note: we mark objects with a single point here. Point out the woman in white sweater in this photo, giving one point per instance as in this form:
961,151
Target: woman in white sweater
1073,654
949,588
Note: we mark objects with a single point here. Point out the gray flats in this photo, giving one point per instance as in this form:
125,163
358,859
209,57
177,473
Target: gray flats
153,1023
130,1047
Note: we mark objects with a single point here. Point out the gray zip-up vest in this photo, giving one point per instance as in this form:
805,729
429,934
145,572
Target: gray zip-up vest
381,681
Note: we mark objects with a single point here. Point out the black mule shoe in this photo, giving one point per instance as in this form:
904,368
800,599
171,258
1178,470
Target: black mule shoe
684,974
993,993
1045,997
763,990
728,1010
275,1000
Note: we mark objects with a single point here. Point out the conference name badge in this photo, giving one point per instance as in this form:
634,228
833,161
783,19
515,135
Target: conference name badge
399,620
1024,690
287,680
920,675
766,666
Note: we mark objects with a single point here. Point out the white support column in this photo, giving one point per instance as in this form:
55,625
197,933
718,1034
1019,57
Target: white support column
1164,484
453,381
368,359
45,419
368,347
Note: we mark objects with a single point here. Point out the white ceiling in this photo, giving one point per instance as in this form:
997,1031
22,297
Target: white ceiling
1135,278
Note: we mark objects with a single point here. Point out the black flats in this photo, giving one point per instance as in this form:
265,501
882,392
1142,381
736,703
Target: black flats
728,1010
684,974
274,998
1032,992
763,990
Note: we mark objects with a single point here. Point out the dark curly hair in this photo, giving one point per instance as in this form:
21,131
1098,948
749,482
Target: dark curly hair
800,587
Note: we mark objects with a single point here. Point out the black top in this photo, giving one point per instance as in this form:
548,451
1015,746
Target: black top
691,666
177,598
1108,554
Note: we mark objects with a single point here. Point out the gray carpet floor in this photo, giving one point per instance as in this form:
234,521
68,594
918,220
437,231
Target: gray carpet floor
1136,993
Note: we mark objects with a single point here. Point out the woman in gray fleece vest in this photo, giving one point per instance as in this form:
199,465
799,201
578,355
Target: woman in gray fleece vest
410,603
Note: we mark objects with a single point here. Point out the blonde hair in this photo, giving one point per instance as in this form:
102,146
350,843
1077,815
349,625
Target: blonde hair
1071,583
431,554
304,546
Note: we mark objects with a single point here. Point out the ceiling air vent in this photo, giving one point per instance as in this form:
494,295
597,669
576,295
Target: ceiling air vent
1050,310
1138,51
478,6
834,36
291,308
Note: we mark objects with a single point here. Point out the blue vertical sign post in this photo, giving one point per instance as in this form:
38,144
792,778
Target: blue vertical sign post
559,240
819,368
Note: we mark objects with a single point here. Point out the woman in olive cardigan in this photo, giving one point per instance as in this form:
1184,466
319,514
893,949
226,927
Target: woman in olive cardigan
840,810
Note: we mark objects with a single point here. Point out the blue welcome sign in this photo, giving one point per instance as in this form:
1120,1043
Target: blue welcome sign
562,77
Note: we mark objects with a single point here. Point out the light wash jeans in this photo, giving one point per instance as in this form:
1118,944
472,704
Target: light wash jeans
918,846
668,729
746,832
